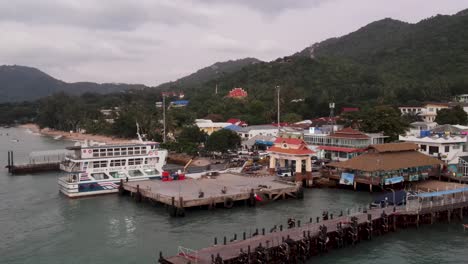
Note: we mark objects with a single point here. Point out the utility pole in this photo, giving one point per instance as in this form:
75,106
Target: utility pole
164,118
278,90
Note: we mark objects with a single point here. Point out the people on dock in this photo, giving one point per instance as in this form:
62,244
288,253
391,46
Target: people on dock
291,222
224,190
325,215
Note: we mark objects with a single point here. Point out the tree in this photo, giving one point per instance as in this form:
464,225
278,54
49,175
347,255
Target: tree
378,119
223,140
192,134
452,116
291,118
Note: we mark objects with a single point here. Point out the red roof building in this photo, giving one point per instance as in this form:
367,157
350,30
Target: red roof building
292,153
348,133
237,93
237,122
349,109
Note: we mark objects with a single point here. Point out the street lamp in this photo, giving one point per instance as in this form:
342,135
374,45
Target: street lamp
393,191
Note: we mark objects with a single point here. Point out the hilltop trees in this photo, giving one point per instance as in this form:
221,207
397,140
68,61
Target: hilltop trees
452,116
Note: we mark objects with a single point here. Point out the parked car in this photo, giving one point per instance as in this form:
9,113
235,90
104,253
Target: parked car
284,172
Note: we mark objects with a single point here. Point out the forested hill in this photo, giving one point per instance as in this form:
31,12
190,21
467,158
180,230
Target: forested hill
217,70
385,62
20,83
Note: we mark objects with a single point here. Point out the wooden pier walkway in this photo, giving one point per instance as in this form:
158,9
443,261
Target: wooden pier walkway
223,190
318,236
39,161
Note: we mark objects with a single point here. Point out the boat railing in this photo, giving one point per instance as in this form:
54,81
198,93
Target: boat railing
69,179
187,253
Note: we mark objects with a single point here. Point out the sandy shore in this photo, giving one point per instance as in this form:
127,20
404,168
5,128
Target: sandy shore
74,136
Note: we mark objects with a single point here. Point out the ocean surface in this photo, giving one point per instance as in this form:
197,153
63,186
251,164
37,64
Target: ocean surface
39,225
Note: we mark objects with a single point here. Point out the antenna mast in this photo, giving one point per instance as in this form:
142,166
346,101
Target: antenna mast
331,119
278,89
164,118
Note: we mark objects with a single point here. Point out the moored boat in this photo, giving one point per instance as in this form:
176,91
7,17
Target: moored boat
95,169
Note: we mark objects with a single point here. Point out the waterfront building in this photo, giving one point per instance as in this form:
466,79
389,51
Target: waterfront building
292,153
446,142
342,144
462,168
384,165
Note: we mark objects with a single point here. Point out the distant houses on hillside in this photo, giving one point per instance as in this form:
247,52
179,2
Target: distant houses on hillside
428,111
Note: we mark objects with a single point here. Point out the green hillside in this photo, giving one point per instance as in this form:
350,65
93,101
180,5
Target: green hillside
385,62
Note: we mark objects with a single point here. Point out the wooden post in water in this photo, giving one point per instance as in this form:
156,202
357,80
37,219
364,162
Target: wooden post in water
9,162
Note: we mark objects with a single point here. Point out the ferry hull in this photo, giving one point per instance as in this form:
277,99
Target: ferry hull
86,189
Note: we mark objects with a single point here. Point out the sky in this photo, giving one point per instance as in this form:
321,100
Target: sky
154,41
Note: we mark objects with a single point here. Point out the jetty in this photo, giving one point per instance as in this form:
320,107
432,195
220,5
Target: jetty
39,161
300,241
211,191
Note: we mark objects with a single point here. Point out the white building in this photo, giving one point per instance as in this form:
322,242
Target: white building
209,126
462,98
428,112
416,128
448,148
249,132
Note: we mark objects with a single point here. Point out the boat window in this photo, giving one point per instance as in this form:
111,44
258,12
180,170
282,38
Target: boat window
99,176
135,173
130,151
123,151
117,163
110,152
137,150
116,152
150,172
95,153
100,164
102,153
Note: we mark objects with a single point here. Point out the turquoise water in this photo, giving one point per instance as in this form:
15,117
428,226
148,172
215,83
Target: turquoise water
39,225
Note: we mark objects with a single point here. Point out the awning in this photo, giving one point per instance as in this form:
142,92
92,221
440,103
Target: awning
263,142
341,149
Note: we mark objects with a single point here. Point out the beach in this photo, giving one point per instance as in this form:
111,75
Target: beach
73,135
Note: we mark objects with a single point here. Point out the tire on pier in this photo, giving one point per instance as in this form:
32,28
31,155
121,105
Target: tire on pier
300,193
252,200
172,210
180,212
228,203
138,197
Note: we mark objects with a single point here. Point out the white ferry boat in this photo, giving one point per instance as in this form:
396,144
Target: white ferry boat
95,169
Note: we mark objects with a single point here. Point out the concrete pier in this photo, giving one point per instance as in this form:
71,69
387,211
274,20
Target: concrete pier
224,190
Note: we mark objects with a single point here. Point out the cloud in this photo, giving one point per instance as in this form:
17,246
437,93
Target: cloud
153,41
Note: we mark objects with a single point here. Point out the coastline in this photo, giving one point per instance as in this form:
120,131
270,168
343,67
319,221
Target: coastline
73,136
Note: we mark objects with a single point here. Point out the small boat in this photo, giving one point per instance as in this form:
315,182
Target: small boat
15,140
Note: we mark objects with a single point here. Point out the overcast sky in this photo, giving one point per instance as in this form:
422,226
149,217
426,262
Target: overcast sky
153,41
